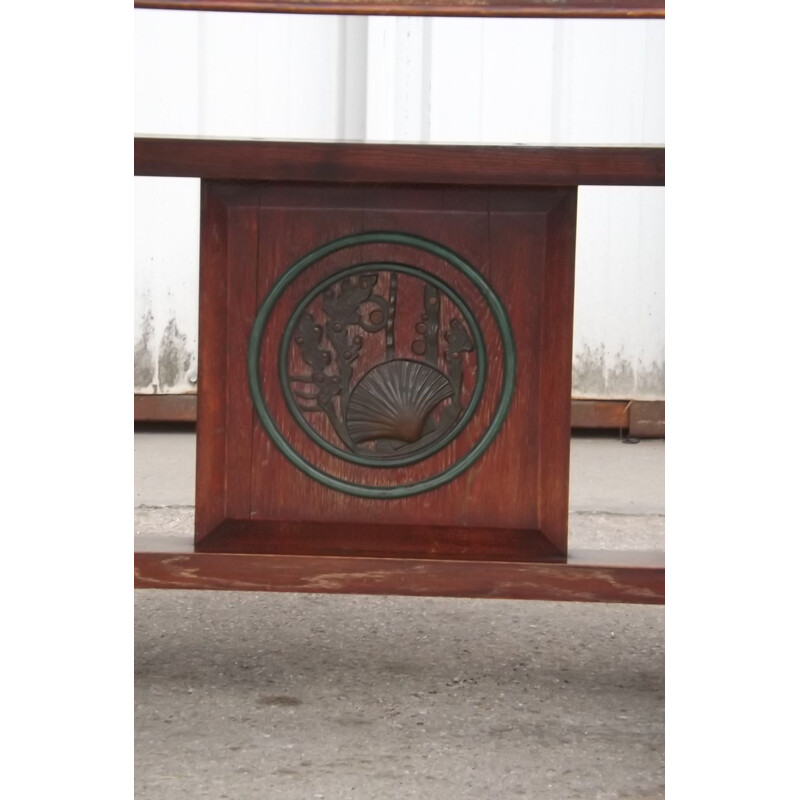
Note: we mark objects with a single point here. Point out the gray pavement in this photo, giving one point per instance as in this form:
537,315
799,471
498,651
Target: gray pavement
246,695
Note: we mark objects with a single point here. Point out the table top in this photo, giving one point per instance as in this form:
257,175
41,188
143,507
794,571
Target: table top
602,9
366,162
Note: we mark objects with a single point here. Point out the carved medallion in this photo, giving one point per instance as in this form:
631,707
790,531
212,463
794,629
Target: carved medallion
383,364
366,354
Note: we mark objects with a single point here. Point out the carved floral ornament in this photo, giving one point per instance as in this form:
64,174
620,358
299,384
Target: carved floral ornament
382,364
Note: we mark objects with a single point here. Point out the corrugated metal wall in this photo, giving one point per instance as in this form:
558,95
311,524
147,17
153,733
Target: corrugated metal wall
410,79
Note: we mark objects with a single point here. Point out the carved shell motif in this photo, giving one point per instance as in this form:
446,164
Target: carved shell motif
393,400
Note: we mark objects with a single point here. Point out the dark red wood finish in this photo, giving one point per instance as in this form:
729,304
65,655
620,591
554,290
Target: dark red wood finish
353,162
397,540
605,9
553,406
587,576
230,215
513,501
211,406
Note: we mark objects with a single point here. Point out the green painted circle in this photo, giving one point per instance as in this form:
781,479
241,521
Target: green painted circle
357,489
434,447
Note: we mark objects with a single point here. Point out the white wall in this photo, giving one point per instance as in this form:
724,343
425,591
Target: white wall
410,79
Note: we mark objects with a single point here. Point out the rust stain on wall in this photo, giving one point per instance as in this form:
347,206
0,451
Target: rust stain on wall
174,357
588,372
144,363
620,376
598,374
650,379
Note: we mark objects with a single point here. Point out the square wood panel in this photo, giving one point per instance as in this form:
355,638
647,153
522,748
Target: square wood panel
385,370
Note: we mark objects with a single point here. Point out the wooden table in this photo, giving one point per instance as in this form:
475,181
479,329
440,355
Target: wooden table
385,360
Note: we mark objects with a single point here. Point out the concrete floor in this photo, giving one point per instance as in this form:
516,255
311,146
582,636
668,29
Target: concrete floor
243,695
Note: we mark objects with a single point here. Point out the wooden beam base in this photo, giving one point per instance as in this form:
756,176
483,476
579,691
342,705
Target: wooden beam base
646,419
165,408
588,576
594,414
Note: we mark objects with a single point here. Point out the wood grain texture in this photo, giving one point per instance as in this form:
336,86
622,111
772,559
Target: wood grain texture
351,162
555,366
603,9
519,483
600,414
647,419
399,540
589,576
242,271
164,407
212,360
